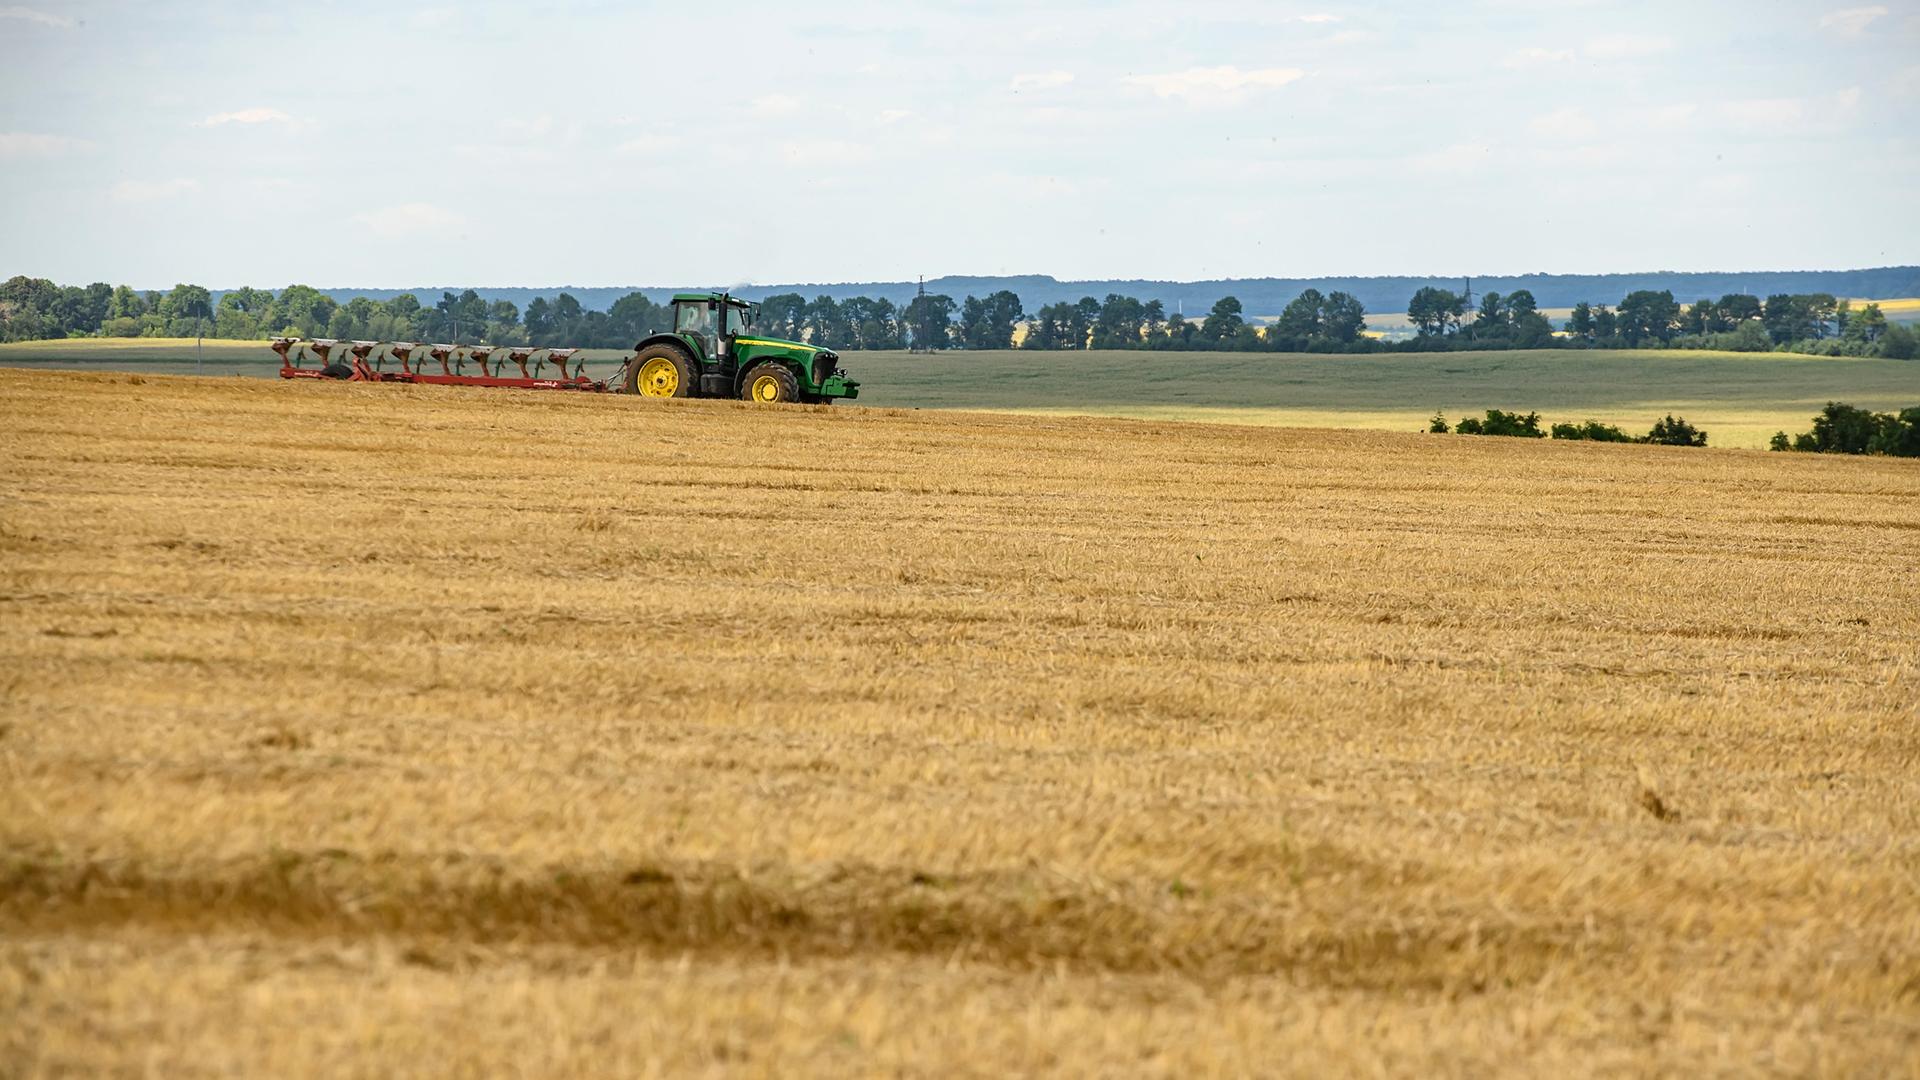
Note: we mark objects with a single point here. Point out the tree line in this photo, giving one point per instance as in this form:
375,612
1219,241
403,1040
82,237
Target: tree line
33,308
1814,323
1312,322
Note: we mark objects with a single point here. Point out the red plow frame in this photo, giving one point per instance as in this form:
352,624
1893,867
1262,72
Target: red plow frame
366,361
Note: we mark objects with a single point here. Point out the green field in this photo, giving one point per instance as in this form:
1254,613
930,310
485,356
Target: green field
1740,398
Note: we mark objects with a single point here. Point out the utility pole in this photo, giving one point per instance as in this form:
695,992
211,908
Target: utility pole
920,343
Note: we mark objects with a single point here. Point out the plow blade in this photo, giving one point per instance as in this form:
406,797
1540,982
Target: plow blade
447,365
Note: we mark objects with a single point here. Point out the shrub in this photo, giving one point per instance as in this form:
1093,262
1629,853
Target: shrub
1844,429
1898,434
1469,426
1669,431
1512,424
1779,442
1438,425
1750,336
1899,343
1591,431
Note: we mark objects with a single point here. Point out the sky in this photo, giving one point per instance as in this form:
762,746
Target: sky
391,144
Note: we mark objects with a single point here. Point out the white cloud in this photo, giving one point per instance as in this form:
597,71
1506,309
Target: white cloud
1851,22
1906,83
1568,123
893,116
1591,155
775,105
1040,80
500,153
527,130
32,15
433,18
1458,158
1215,85
823,152
943,135
1534,57
1051,33
1723,184
1765,114
141,191
256,115
646,146
1317,17
1627,46
1676,117
1059,117
1025,187
26,144
409,219
1826,115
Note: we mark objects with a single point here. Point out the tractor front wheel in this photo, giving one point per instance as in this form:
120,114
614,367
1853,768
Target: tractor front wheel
660,371
769,384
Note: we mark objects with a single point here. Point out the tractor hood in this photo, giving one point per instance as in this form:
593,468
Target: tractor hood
801,348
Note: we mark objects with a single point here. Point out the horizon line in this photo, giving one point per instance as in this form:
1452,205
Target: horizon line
1075,281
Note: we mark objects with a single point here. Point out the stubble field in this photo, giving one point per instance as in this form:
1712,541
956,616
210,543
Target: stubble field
371,730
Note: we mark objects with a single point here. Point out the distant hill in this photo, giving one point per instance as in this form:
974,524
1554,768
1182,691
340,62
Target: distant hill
1264,296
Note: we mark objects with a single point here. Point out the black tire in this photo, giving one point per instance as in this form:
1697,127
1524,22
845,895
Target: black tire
769,383
675,378
337,370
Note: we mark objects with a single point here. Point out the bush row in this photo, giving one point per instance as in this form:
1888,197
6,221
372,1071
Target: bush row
1667,431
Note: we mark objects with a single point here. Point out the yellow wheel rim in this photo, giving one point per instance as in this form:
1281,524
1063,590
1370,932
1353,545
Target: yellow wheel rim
659,377
766,388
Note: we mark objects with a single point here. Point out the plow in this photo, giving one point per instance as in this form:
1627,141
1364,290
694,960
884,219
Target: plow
710,352
368,361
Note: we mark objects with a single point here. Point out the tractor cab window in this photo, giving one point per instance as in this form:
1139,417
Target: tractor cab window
695,319
738,319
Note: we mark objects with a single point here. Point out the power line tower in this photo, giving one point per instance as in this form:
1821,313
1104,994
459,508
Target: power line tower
921,344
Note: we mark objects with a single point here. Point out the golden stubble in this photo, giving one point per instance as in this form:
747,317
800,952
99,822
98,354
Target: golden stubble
373,729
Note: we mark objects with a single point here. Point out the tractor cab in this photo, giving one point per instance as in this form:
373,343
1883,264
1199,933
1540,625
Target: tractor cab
713,321
712,352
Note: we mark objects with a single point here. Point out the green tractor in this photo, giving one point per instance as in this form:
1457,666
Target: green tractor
712,353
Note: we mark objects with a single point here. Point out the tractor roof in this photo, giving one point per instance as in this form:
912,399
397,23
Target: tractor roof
707,297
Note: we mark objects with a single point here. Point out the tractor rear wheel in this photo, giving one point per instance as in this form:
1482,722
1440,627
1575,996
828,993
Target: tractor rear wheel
770,383
660,371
